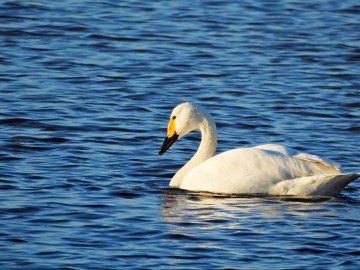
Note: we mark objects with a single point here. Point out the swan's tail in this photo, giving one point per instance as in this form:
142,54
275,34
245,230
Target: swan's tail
316,185
333,184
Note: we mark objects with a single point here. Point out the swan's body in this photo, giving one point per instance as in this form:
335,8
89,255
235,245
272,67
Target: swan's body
264,169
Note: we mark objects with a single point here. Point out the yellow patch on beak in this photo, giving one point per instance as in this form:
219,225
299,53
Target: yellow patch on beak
171,128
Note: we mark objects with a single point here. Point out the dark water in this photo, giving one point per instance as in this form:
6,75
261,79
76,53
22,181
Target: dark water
86,89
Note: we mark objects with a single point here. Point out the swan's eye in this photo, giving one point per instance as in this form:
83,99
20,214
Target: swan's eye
173,118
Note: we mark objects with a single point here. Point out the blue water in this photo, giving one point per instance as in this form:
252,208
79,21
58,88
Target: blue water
86,89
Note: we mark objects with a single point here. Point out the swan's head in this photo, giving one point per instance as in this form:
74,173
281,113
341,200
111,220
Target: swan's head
185,118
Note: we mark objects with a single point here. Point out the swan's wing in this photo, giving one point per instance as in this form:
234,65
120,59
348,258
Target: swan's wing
249,170
288,151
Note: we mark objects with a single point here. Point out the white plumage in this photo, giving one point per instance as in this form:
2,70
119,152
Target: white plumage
264,169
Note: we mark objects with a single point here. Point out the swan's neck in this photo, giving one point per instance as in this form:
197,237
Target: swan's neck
205,151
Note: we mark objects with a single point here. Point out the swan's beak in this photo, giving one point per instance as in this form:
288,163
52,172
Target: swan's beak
171,136
167,143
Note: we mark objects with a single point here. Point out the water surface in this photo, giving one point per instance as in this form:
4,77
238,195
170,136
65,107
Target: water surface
86,89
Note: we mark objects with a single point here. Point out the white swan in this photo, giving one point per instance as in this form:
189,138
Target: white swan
264,169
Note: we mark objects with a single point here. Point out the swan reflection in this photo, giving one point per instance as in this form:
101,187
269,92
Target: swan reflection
221,210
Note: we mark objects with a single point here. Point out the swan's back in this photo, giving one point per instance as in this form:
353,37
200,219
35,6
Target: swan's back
288,151
253,170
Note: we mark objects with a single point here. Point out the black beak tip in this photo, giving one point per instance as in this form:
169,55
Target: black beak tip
167,143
